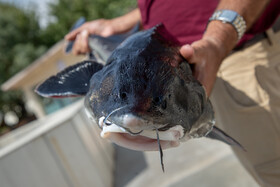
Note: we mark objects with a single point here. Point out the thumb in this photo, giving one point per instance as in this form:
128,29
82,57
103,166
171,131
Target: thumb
187,52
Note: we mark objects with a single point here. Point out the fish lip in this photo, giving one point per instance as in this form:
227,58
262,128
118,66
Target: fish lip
176,131
140,143
144,141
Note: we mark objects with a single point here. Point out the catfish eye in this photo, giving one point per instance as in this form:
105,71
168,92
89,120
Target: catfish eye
123,95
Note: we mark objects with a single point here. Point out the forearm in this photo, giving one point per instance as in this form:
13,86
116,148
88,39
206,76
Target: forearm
224,36
219,39
127,21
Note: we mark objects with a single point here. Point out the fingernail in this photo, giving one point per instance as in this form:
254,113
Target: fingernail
84,33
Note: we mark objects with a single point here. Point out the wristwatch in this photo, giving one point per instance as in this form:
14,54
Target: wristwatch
232,17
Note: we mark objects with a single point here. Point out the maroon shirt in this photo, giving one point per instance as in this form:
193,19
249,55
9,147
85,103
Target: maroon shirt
187,19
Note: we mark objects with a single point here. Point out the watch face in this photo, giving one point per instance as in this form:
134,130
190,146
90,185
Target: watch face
228,16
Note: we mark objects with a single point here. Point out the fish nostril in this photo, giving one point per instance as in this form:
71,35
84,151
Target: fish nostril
123,95
157,100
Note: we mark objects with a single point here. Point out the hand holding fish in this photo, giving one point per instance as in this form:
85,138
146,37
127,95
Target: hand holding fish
101,27
206,63
208,53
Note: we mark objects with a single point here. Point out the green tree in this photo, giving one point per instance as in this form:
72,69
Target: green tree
19,33
19,46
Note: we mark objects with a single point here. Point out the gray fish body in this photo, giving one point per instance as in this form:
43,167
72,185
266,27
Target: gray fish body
145,87
149,76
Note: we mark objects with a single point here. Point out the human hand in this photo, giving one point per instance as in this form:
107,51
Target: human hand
100,27
206,56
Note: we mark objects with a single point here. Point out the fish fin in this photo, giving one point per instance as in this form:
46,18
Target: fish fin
163,34
71,82
218,134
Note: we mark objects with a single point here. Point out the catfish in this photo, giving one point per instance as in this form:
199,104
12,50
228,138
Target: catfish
144,97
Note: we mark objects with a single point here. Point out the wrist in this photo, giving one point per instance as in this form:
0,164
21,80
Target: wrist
230,17
126,22
222,36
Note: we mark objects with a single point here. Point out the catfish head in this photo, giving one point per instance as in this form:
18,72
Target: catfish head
145,95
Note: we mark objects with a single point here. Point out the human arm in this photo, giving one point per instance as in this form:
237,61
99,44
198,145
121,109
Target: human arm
219,39
102,27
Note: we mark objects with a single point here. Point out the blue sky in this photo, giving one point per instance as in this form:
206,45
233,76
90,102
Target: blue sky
39,5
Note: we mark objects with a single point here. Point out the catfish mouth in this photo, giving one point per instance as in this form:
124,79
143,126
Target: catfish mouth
144,140
140,143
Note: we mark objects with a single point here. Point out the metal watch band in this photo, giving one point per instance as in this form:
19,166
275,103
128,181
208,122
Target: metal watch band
232,17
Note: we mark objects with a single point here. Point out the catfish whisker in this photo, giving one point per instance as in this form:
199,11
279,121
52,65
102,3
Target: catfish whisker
106,118
160,151
126,129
